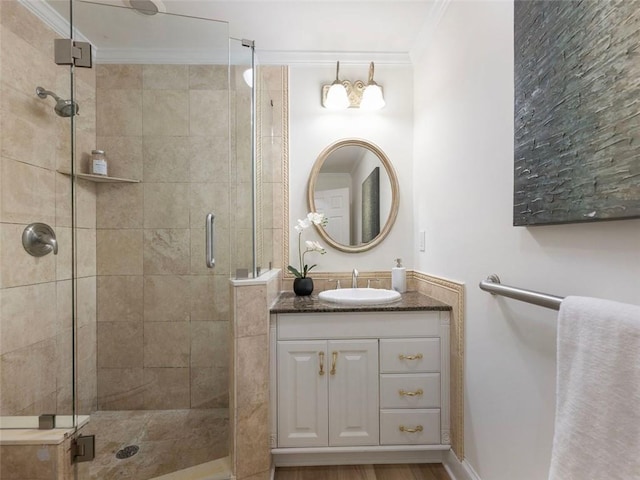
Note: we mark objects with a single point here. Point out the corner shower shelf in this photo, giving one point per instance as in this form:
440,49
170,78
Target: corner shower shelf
100,178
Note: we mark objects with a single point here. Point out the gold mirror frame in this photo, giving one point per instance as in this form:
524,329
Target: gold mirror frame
395,192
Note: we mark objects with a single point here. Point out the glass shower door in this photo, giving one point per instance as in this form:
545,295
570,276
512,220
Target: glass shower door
252,132
152,343
243,187
36,286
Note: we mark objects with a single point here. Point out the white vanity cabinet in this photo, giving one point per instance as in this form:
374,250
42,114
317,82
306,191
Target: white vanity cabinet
370,385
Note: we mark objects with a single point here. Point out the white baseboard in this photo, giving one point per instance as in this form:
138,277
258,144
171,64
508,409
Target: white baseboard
458,470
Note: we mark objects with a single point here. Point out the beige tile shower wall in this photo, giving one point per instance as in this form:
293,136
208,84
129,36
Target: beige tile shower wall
40,462
35,293
249,413
162,315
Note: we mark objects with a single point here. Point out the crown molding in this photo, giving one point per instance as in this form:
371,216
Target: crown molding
296,57
48,16
51,18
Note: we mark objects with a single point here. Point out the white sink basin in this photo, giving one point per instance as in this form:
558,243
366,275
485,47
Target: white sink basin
359,296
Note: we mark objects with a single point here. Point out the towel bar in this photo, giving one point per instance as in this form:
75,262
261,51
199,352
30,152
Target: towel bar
492,285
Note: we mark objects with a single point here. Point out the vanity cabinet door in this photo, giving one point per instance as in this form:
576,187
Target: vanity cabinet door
302,370
353,392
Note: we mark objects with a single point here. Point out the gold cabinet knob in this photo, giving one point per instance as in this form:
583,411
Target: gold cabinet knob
334,360
321,355
404,393
417,356
404,429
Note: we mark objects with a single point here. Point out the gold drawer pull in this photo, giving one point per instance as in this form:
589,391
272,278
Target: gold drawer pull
334,360
410,394
417,356
321,355
410,430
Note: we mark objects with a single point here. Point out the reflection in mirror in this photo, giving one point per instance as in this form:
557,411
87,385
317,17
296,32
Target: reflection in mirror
355,186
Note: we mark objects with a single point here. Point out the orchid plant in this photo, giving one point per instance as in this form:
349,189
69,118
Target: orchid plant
312,218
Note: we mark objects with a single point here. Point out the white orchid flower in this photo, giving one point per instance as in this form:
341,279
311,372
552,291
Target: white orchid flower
302,224
313,246
316,218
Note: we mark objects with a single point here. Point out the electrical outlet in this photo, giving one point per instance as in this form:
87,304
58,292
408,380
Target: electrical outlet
423,240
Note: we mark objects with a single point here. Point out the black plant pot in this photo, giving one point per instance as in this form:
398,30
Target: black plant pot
303,286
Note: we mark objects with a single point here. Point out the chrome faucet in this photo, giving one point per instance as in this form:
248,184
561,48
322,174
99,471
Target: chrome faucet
354,278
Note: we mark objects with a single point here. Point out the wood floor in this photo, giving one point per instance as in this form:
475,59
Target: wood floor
426,471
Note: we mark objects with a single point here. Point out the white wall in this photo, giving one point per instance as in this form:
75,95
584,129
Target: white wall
463,184
312,128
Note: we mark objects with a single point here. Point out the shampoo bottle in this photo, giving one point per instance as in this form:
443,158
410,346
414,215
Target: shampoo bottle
399,277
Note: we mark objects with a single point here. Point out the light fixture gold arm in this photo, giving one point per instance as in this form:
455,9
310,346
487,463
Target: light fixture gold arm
335,96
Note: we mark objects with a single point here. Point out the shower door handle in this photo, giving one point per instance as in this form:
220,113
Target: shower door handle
209,224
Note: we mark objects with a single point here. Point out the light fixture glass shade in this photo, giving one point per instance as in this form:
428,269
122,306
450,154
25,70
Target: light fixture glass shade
337,98
372,98
247,75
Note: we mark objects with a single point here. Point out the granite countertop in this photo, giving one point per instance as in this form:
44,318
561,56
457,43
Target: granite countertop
288,302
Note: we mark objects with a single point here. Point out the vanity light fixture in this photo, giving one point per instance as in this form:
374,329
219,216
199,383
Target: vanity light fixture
336,97
372,97
342,94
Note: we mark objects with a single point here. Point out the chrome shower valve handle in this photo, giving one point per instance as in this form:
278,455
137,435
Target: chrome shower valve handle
39,239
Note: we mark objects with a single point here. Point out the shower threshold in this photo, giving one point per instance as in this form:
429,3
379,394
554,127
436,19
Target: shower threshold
24,430
219,469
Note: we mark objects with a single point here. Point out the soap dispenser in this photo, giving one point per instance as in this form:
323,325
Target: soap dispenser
399,277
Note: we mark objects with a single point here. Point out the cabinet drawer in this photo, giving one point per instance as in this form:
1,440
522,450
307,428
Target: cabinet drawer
412,390
409,427
404,355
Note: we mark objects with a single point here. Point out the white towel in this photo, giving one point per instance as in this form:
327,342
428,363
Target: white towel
597,428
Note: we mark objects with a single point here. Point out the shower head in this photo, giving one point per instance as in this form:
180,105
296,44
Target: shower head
147,7
64,108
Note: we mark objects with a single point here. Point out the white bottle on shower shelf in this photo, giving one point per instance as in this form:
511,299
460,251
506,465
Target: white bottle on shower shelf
98,162
399,277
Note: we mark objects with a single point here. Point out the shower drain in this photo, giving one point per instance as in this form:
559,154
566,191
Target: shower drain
127,452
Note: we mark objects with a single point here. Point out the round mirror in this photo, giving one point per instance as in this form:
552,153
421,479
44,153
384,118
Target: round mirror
354,184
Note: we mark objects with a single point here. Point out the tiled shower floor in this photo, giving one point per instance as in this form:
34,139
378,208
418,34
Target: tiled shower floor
169,440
